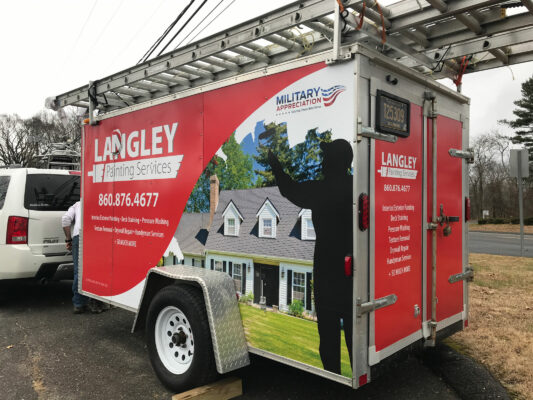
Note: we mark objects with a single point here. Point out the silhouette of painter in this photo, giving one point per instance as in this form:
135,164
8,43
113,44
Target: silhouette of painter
330,201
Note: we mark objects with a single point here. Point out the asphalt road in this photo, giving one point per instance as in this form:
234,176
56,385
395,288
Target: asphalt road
46,352
505,244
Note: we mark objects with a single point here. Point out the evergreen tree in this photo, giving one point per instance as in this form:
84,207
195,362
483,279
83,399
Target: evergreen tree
308,156
275,139
236,172
523,124
302,163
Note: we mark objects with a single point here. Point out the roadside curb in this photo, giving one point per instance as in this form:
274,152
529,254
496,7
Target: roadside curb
501,232
467,377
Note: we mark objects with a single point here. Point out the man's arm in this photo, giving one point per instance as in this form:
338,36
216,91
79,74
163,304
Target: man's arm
302,194
68,237
66,222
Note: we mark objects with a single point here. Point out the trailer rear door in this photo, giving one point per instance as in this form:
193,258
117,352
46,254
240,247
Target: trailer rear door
397,236
400,264
449,296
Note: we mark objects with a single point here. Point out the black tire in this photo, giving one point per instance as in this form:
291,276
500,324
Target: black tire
201,367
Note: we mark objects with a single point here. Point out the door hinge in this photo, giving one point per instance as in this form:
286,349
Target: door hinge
364,308
468,155
468,275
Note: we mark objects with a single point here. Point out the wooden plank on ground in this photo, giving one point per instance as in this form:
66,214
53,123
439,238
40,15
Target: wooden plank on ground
225,389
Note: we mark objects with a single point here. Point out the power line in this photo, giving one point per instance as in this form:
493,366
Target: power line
183,27
164,35
213,20
192,30
81,32
106,25
136,34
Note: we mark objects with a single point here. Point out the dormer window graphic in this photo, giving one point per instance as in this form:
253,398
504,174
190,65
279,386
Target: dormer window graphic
267,227
307,227
232,230
232,219
268,220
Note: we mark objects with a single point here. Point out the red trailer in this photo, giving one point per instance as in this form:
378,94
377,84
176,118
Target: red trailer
339,220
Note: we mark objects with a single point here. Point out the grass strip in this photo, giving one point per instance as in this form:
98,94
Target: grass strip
500,330
288,336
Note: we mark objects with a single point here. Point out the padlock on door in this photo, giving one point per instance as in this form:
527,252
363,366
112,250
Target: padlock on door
445,220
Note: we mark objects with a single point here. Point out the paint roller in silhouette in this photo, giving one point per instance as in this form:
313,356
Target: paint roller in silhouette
266,134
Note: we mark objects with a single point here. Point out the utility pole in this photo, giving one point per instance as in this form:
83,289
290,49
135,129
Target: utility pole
519,163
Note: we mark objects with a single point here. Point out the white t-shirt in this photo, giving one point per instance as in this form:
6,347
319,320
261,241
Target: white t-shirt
73,215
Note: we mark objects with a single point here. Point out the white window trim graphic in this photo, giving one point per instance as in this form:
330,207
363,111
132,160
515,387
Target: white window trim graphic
232,213
309,227
300,286
238,286
267,212
266,227
306,215
231,226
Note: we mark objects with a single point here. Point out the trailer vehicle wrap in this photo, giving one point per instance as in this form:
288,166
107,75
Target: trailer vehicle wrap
290,124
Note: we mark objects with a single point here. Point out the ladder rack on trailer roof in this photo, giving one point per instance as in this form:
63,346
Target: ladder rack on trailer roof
431,36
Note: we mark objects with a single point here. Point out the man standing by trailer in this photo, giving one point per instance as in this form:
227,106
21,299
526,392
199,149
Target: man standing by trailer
71,222
330,201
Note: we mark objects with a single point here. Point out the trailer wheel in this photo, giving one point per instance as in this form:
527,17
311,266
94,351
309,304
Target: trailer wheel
178,338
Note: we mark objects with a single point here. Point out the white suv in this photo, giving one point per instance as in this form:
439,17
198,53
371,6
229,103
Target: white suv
32,202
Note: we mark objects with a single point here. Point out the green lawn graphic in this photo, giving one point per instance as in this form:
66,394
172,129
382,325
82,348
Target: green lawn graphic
291,337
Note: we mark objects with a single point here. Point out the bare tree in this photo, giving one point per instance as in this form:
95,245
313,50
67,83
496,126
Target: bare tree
489,176
49,127
15,148
23,141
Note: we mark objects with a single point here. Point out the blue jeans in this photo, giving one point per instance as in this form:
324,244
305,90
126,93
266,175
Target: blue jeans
78,300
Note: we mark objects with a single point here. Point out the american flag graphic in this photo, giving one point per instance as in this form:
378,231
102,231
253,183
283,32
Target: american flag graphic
330,95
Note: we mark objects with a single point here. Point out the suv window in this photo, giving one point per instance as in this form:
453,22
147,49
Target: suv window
51,192
4,183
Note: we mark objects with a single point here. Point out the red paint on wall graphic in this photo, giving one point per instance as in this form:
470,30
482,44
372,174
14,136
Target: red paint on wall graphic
398,218
140,168
449,194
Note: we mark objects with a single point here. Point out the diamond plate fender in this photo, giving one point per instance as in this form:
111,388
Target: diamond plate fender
227,332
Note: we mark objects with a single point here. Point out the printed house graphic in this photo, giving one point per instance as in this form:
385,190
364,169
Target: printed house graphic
258,237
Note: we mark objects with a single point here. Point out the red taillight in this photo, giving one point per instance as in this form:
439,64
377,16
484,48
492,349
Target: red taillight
348,266
17,230
75,173
466,323
467,209
364,212
363,379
